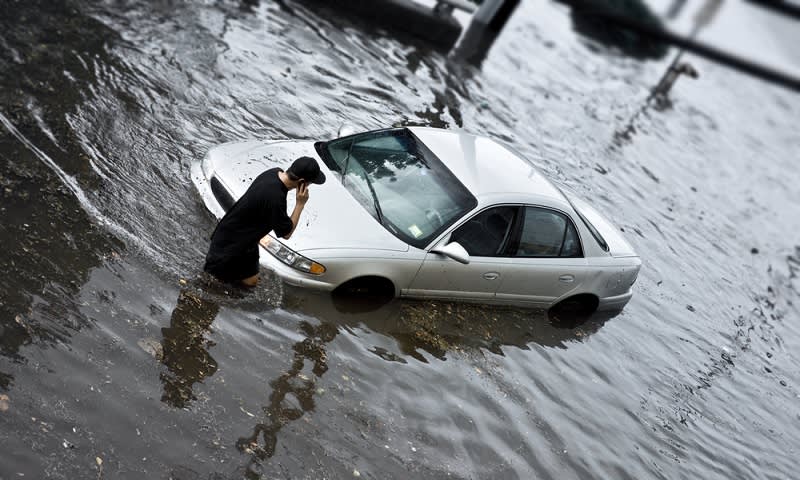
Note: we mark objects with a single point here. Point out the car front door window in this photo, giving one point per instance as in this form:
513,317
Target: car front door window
486,234
485,237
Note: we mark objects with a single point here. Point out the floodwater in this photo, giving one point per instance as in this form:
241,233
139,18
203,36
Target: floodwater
118,361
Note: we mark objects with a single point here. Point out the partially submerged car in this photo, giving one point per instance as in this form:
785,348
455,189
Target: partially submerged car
430,213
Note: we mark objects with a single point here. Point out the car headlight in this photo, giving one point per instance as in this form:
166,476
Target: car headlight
290,257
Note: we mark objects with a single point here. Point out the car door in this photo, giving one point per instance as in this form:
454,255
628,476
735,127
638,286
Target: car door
548,260
485,237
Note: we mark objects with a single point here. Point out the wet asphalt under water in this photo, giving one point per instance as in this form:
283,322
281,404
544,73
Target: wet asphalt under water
117,360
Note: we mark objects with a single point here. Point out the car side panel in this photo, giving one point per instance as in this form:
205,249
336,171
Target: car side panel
610,279
615,276
343,265
442,277
540,281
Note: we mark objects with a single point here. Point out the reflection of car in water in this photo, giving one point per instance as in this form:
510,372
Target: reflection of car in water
437,327
430,213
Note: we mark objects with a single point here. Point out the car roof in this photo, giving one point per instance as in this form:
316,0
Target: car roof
489,169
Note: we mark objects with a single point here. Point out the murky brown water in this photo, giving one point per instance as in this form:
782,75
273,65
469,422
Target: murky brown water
117,361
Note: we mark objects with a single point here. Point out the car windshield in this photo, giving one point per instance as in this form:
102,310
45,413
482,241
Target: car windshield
400,182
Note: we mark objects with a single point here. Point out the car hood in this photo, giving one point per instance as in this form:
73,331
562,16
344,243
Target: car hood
332,218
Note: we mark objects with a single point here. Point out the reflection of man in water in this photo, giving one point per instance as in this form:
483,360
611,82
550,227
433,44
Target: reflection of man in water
233,254
262,442
186,348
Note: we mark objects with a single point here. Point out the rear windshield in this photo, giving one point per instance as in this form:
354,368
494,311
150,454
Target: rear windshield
588,214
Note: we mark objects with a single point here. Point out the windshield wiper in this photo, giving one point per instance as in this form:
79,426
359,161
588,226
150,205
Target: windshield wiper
375,200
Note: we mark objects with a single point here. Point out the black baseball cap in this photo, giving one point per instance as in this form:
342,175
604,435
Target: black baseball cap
308,169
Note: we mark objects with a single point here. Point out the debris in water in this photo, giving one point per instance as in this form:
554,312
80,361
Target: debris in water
21,322
152,346
246,412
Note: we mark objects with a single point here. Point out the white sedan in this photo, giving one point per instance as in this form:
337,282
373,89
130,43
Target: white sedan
431,213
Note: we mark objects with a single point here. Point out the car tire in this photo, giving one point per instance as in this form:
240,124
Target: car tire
574,310
363,294
371,287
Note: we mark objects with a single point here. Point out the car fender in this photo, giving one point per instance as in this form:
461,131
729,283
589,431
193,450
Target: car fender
344,265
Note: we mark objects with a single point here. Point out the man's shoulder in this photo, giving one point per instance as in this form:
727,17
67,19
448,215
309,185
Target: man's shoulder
271,174
268,185
267,178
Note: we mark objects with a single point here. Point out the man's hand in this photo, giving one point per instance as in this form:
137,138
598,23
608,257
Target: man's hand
302,194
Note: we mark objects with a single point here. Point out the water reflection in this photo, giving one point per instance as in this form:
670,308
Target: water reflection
419,328
658,100
586,23
292,394
437,327
249,6
659,97
49,242
186,348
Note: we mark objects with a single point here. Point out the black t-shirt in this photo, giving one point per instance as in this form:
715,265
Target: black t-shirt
259,211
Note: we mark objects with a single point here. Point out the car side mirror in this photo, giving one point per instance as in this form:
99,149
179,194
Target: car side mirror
345,130
453,250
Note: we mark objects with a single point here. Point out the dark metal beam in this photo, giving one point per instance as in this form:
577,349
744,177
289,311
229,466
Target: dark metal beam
712,53
780,6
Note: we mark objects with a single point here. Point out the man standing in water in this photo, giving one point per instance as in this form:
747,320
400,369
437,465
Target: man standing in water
233,254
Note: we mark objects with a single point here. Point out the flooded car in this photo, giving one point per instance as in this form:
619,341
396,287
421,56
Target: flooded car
431,213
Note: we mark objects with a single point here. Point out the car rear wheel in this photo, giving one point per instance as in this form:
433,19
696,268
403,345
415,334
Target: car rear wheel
573,310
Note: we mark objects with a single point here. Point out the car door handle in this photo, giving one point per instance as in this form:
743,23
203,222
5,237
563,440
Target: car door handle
491,275
566,278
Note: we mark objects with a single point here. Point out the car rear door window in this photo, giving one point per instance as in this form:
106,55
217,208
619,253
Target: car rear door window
487,234
547,233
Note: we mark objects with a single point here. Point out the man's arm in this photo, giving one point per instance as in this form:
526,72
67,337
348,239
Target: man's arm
302,198
298,209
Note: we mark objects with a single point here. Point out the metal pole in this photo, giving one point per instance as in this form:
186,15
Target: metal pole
460,4
483,29
487,11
